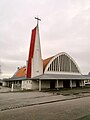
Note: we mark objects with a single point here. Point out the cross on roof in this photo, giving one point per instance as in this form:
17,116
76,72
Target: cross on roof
38,19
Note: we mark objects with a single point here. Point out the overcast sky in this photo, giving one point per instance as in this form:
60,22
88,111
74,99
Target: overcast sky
64,27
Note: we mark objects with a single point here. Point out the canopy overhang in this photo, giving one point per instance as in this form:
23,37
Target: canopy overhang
61,77
52,77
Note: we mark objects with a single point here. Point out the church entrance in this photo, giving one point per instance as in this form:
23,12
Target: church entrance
77,83
52,84
66,83
0,84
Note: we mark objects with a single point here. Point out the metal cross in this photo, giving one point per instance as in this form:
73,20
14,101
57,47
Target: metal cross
38,19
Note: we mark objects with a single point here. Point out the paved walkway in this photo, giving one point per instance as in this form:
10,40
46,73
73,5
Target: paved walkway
13,100
4,89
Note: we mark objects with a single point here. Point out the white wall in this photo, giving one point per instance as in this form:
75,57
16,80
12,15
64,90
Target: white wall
27,84
37,63
4,84
73,83
35,84
82,83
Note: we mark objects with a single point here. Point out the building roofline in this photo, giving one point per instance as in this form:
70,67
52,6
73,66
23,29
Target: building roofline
60,77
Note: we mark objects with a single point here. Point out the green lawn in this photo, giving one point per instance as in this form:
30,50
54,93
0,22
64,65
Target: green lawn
87,117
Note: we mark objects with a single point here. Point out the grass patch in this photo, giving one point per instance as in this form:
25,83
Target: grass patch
87,117
68,91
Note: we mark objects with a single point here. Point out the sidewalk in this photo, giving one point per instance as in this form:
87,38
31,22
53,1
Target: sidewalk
12,102
4,89
15,100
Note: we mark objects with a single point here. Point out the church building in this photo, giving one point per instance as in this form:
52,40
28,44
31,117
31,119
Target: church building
55,72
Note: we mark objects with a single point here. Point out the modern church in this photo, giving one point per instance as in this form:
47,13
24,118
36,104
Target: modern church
55,72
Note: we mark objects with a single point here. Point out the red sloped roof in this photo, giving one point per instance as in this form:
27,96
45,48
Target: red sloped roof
20,73
45,62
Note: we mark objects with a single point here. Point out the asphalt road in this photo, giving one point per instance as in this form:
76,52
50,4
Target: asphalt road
76,109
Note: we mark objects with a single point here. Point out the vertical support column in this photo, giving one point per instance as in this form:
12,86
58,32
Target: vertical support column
22,85
71,84
39,85
12,88
4,84
57,84
82,83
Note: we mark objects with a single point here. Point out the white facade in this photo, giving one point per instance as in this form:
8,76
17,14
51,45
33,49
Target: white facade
26,84
37,63
62,63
